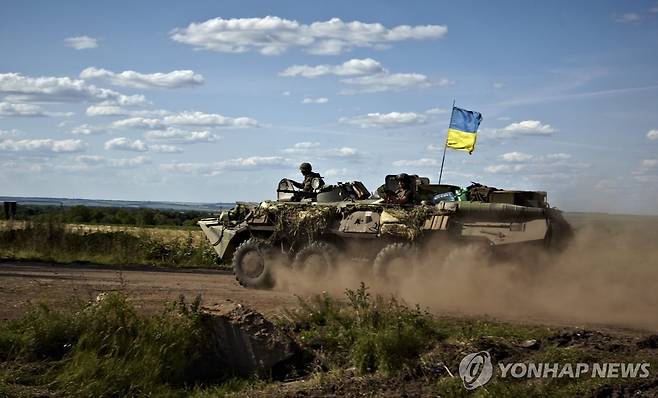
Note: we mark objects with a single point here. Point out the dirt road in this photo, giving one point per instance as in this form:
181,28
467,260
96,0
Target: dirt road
22,284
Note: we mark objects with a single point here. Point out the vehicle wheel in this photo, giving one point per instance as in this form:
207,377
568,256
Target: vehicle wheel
252,264
395,261
318,258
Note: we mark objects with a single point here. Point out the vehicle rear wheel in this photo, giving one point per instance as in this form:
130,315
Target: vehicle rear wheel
317,259
252,264
395,261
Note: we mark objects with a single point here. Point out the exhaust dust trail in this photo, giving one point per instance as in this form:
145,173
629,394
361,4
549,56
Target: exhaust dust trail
607,275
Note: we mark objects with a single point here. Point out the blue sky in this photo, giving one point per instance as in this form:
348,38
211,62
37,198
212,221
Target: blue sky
216,101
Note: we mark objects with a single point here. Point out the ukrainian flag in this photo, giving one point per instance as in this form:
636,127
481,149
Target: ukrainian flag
463,129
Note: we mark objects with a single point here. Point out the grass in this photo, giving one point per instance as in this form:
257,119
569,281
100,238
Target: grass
107,349
54,242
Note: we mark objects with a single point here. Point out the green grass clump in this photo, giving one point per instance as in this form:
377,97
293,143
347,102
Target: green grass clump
107,349
369,333
52,241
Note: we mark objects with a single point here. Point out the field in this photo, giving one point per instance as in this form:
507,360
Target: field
594,303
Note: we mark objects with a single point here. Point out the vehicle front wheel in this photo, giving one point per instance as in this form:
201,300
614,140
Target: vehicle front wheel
252,264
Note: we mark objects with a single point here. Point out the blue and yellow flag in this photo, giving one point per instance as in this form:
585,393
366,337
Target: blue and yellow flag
463,129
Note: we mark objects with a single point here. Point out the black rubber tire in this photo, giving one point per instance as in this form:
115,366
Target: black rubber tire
253,278
391,252
324,250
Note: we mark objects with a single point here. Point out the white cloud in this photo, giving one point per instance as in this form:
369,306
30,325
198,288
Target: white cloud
516,157
649,163
523,128
436,111
163,148
424,162
253,163
286,93
652,135
60,89
10,133
19,109
386,120
138,122
106,109
498,85
42,145
81,42
87,129
88,161
125,144
273,35
390,82
627,18
336,172
315,150
129,78
208,119
321,100
353,67
559,165
177,136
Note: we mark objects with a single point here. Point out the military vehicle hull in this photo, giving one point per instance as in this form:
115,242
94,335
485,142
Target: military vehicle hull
258,237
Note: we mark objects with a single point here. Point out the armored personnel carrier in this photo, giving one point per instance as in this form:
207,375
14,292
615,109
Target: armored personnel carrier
309,230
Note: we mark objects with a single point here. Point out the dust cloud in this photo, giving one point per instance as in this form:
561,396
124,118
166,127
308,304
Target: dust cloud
607,276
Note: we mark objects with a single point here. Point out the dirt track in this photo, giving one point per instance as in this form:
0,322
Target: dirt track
22,284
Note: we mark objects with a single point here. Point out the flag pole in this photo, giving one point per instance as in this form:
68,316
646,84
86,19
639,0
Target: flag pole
445,145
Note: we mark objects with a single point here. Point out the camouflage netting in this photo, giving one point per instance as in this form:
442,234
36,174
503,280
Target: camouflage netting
302,223
411,221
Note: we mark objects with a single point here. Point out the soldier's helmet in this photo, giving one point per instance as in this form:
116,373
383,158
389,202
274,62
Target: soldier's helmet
403,177
305,167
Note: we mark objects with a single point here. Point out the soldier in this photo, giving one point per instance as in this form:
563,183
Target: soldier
309,175
404,195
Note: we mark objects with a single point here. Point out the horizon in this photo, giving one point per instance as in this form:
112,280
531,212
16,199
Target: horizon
215,102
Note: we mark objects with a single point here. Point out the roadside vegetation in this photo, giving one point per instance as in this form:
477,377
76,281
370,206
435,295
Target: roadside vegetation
359,344
53,241
141,217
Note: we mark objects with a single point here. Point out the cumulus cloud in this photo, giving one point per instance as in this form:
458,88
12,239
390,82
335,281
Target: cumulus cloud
629,17
106,109
498,85
138,122
389,82
186,118
177,136
87,129
252,163
19,109
125,144
81,42
315,150
89,161
60,89
516,157
523,128
385,120
42,145
649,163
129,78
652,135
424,162
353,67
273,35
557,164
321,100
